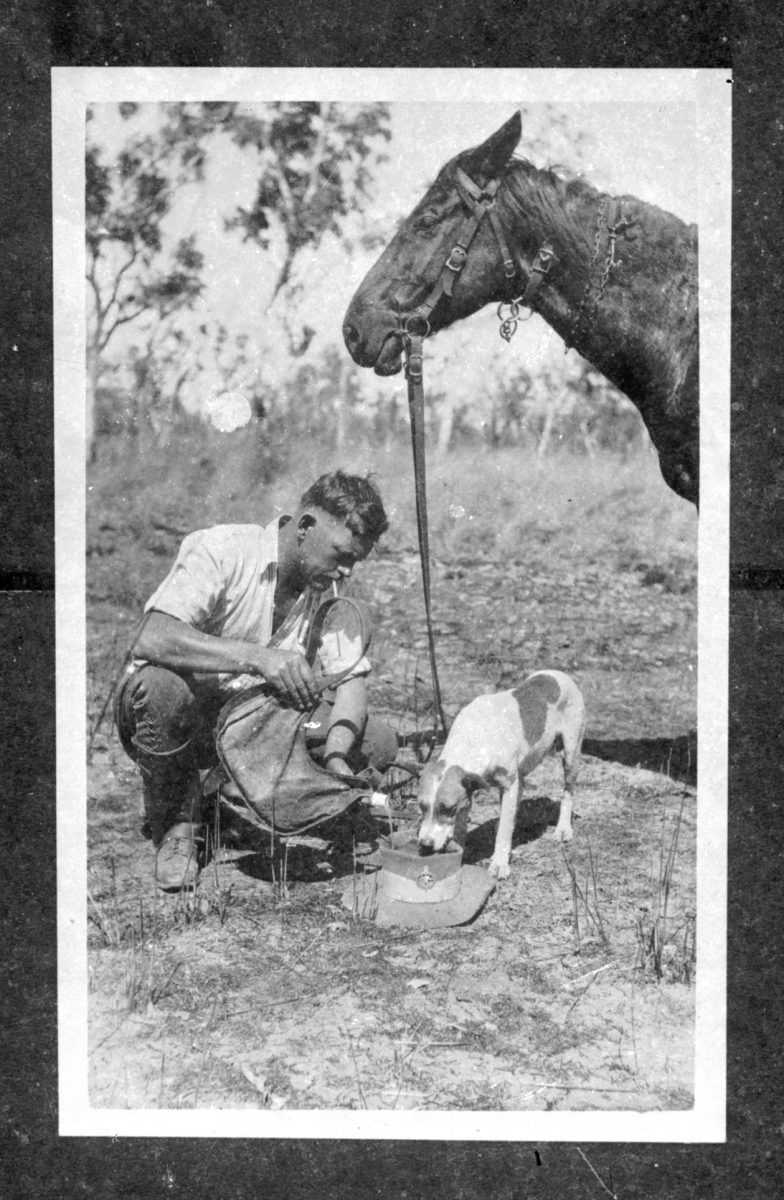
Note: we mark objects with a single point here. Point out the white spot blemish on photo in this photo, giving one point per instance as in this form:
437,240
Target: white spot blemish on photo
228,411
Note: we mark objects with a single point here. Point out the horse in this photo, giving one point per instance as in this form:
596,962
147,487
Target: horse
633,314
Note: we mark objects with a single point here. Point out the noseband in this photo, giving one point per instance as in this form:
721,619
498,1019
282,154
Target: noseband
481,202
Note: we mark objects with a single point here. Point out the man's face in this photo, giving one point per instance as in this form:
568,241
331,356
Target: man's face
328,548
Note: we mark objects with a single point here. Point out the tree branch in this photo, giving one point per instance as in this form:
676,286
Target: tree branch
100,312
317,157
121,320
120,273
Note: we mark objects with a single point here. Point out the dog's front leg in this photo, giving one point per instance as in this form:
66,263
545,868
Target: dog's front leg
499,863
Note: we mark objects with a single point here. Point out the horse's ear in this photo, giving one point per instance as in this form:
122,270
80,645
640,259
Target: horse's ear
488,160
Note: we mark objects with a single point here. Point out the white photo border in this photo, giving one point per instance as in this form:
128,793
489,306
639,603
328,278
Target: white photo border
73,89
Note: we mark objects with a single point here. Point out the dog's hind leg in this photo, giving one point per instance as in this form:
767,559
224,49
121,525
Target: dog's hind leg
572,736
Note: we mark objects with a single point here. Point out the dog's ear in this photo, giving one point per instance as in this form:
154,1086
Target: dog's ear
473,783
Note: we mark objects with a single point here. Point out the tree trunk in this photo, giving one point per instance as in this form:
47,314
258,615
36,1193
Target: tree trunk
391,426
544,437
445,427
588,442
94,372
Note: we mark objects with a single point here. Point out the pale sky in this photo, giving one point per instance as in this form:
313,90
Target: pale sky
641,148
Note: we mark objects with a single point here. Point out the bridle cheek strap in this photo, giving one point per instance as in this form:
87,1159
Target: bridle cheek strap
482,202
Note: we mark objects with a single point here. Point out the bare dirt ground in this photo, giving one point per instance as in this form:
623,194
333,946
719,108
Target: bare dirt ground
573,988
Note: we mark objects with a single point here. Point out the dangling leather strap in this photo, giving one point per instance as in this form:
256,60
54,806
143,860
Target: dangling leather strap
416,408
322,681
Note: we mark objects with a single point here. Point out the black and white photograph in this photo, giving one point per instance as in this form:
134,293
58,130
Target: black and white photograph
392,468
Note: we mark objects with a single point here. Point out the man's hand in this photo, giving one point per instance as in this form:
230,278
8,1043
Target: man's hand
169,642
289,674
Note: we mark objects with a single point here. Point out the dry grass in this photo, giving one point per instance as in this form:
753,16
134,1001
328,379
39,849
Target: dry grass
260,988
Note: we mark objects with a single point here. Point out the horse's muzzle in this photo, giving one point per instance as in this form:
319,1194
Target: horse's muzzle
384,357
353,344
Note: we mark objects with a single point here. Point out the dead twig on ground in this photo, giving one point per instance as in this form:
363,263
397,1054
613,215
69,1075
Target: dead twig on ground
314,995
576,1001
571,982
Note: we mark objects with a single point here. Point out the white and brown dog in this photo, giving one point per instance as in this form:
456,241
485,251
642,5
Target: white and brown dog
495,741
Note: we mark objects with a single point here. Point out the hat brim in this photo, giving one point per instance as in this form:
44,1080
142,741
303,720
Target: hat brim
366,898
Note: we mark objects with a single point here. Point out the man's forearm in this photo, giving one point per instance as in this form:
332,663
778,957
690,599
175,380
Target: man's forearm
169,642
347,722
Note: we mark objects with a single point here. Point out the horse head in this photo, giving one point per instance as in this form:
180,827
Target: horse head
425,270
491,225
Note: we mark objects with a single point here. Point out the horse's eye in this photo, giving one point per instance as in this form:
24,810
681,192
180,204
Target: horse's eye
426,225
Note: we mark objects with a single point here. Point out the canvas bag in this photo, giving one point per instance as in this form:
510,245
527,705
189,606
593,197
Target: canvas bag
261,745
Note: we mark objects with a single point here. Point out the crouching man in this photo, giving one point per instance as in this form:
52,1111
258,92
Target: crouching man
235,610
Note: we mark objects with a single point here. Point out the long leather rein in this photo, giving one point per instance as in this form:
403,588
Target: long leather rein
416,327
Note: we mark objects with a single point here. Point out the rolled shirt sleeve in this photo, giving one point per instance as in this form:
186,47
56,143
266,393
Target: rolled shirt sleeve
194,589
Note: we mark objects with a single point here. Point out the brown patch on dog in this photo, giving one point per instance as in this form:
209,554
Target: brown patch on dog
451,790
532,698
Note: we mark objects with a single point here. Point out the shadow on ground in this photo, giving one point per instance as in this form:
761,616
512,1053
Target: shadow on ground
535,815
335,850
676,757
351,841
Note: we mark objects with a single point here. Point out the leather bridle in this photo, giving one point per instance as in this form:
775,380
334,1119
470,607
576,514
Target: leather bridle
481,204
415,328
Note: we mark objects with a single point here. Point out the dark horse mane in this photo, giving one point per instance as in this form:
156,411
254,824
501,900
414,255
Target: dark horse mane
552,202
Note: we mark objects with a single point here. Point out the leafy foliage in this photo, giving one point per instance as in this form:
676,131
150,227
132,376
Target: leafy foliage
160,345
128,273
315,164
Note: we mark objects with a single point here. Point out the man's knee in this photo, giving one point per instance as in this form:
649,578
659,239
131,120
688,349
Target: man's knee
379,744
155,711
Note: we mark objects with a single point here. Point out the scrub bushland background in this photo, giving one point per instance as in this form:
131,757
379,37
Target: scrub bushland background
223,243
574,988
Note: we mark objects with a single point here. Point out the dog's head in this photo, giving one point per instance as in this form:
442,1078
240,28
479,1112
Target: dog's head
444,796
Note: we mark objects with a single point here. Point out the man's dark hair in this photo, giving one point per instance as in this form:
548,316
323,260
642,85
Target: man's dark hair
354,498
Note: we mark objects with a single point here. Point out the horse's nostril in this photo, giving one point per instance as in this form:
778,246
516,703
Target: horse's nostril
350,336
